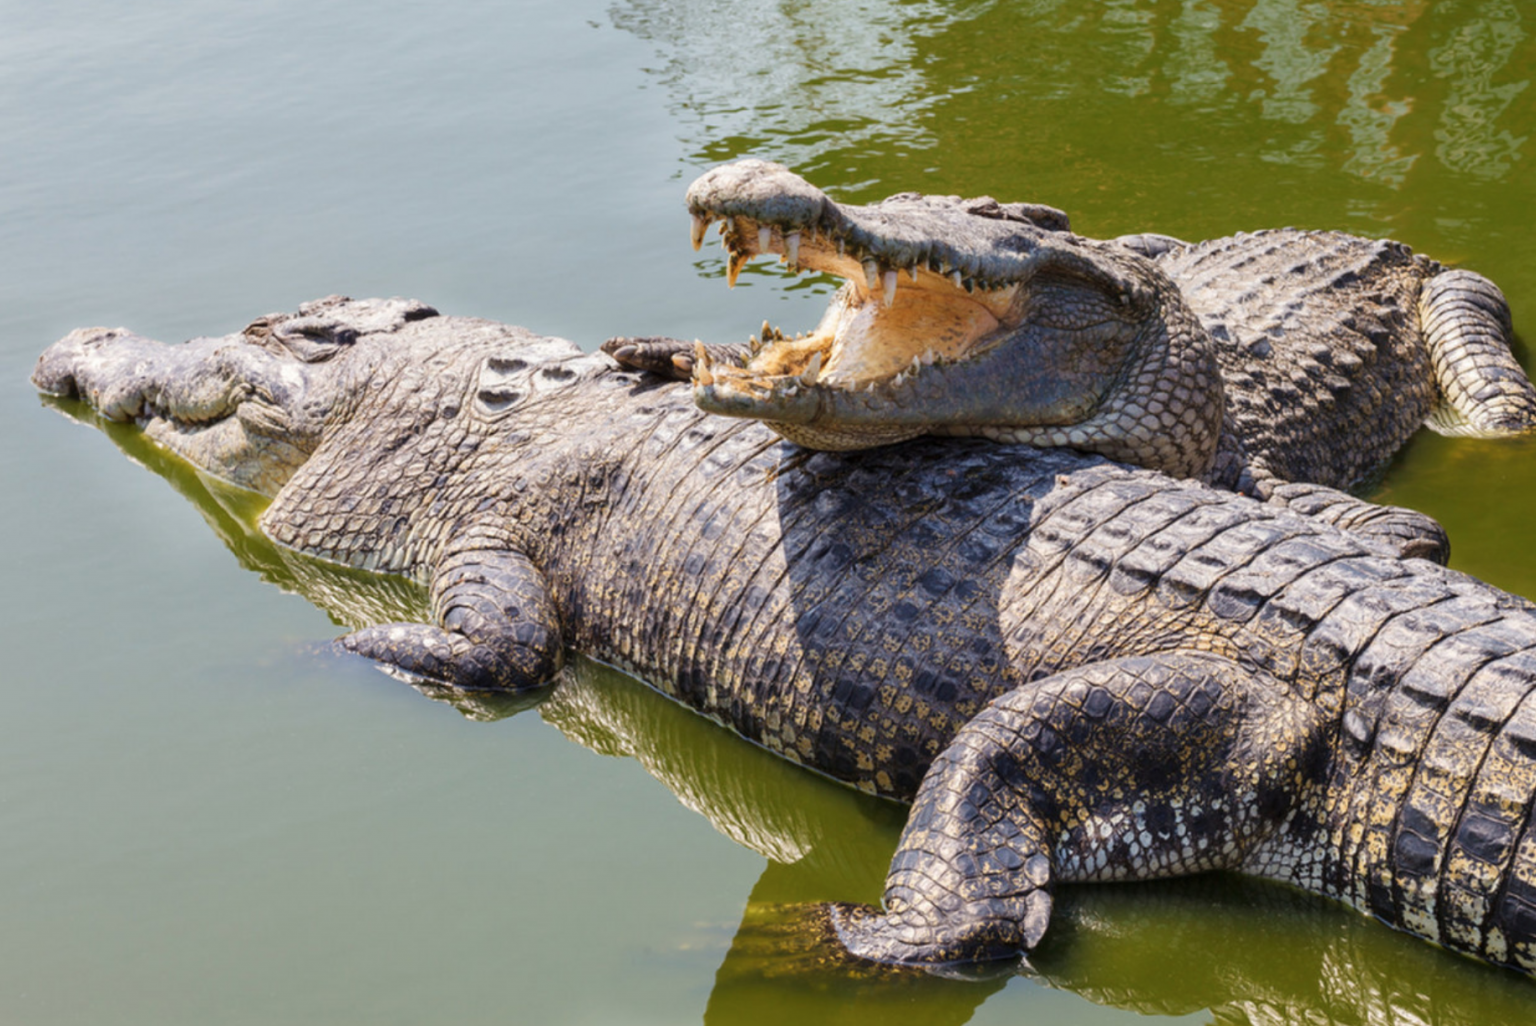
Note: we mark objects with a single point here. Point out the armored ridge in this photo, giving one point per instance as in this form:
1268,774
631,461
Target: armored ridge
1335,348
978,629
1248,362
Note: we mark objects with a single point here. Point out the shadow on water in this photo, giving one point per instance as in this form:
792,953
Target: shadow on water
1243,951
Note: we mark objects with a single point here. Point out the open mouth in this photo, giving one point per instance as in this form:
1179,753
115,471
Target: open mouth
929,282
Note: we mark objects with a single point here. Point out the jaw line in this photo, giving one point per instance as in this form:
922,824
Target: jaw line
865,343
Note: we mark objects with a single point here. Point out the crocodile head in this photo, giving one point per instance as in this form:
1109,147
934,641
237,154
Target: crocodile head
957,316
248,408
349,415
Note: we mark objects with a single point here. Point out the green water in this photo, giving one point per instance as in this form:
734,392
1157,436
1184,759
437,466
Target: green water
204,817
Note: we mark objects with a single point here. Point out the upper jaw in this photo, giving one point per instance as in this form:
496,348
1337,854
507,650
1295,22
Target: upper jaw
939,242
929,280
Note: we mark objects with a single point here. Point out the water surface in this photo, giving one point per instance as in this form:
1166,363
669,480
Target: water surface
204,817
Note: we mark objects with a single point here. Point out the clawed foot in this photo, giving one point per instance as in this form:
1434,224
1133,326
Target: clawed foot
989,931
669,358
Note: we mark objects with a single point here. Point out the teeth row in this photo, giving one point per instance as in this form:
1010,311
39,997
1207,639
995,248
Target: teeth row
879,279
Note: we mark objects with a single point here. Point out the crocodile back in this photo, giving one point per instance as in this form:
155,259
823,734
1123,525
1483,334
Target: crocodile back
852,611
1318,339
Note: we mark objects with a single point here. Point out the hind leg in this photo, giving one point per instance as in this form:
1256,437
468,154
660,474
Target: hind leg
1483,391
1132,768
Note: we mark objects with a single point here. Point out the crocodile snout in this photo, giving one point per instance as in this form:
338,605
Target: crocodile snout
103,366
56,369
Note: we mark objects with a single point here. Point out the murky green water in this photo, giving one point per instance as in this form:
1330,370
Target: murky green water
205,818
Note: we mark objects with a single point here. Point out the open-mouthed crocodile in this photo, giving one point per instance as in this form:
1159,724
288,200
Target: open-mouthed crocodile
1075,670
1246,362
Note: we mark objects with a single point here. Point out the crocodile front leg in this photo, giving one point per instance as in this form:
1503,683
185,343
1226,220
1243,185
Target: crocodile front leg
496,626
1132,768
671,358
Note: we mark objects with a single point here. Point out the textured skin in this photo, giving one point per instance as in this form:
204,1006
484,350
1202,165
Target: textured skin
1077,671
1332,349
1335,348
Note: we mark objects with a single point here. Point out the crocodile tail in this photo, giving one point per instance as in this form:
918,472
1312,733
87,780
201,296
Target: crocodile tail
1483,390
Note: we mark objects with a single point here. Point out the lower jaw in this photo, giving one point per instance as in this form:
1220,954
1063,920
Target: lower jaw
841,439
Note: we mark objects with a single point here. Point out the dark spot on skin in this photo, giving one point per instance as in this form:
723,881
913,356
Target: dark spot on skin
1160,821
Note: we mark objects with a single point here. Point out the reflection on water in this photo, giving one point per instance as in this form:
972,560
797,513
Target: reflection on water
1472,58
351,598
1245,951
797,76
1314,84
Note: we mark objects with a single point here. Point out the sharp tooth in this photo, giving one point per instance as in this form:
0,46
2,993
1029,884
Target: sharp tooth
912,272
733,267
812,371
768,332
872,275
792,248
764,237
702,367
956,277
890,287
840,247
928,356
696,233
917,363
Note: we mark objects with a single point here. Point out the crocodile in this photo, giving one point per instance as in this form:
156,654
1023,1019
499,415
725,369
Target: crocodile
1072,669
1247,362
